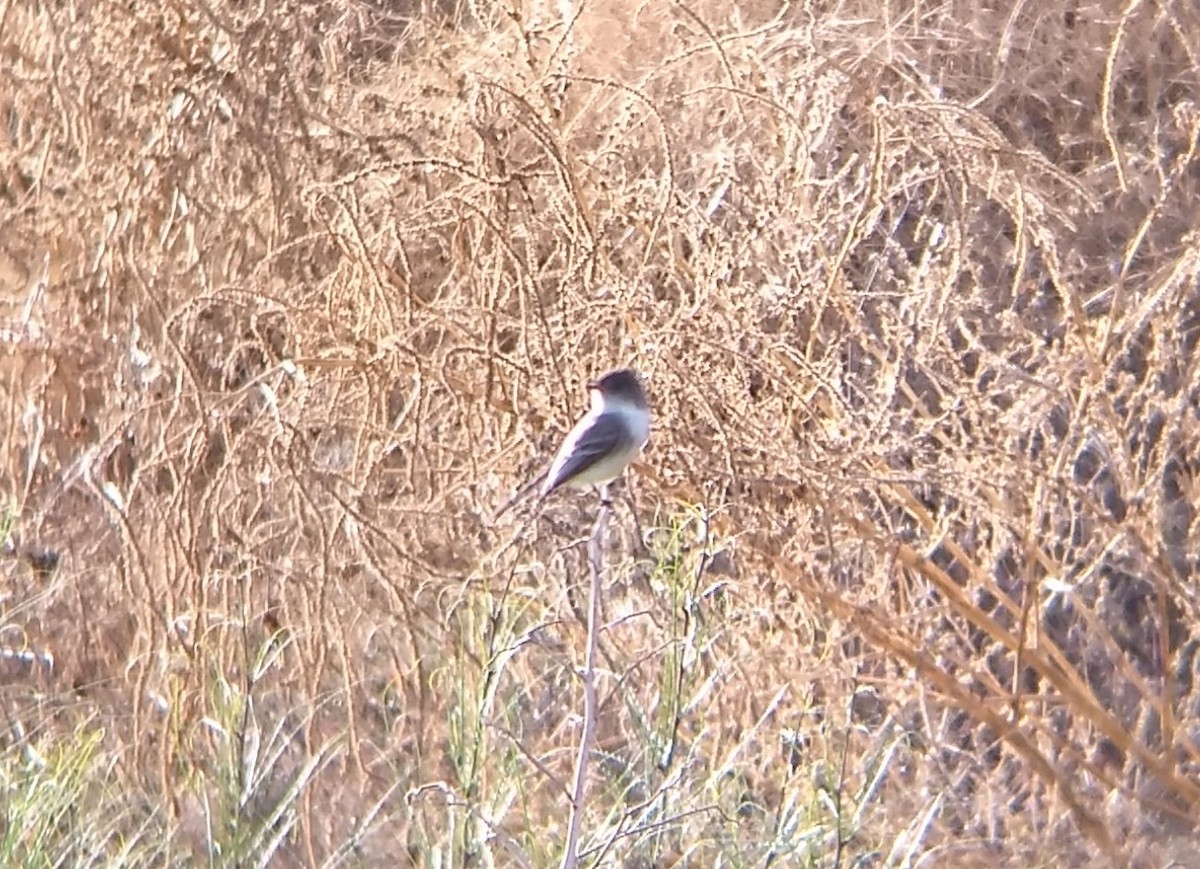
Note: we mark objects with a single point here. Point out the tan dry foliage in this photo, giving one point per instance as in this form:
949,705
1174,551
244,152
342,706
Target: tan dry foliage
295,294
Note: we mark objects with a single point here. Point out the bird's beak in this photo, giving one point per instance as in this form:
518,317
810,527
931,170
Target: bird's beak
593,384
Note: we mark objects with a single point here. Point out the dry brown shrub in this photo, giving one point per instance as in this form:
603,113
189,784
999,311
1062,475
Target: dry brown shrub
295,294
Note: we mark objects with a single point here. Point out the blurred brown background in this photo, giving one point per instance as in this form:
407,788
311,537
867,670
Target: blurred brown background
292,295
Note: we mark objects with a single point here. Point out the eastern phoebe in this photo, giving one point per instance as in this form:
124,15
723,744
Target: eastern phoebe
604,441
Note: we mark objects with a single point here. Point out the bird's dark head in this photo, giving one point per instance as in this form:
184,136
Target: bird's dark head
622,384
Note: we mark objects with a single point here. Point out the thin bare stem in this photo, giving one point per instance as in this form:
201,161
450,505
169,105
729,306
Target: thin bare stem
588,737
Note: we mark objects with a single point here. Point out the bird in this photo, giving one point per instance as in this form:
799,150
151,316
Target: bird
604,441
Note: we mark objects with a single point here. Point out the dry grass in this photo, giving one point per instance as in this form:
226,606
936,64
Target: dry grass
293,295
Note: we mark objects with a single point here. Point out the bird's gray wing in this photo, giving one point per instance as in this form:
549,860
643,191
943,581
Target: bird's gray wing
584,447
